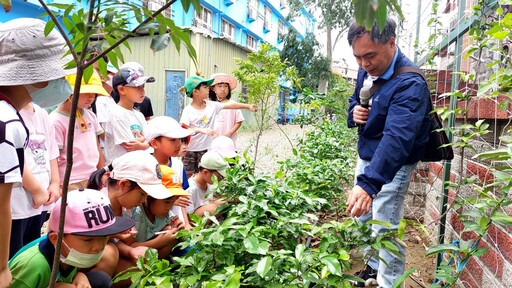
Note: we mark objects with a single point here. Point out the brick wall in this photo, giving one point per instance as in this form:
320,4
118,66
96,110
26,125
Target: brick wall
494,269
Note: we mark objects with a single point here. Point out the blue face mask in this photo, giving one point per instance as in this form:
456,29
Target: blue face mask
56,92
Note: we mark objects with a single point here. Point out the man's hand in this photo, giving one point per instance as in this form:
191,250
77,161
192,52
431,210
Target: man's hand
358,202
5,277
360,115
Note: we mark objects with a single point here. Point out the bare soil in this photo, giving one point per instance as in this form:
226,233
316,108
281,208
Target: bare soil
276,145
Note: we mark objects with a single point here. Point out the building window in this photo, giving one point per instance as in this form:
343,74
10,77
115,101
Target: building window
203,19
154,5
252,10
267,22
228,30
280,27
251,42
282,4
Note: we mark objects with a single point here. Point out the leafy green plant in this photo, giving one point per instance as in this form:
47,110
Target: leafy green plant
150,272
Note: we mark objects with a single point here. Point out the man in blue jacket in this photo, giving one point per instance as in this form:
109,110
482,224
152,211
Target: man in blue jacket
393,127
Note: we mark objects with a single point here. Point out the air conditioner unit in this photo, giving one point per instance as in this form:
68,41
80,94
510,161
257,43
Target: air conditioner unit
227,36
154,6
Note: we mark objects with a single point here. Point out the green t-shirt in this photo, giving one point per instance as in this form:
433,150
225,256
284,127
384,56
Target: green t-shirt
31,266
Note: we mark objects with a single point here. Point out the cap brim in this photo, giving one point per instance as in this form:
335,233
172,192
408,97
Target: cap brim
177,134
95,89
209,82
178,192
222,172
157,191
121,224
140,81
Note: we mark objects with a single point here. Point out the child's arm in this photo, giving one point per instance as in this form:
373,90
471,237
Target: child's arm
159,241
236,105
54,187
40,195
138,143
101,161
233,129
5,236
80,281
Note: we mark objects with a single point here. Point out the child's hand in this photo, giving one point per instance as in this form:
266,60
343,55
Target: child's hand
81,281
40,197
54,192
170,234
137,252
254,108
177,223
183,201
5,277
135,145
127,236
208,132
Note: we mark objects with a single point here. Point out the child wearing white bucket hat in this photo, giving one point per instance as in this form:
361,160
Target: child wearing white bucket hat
31,69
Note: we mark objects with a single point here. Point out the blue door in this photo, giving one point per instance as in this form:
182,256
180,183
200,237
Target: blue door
174,100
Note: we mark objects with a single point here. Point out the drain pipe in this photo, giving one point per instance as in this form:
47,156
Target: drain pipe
451,122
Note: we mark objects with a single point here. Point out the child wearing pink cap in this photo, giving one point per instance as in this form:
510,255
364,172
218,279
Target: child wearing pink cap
88,224
228,121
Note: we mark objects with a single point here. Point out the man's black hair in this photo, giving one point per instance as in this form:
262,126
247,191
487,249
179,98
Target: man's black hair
355,31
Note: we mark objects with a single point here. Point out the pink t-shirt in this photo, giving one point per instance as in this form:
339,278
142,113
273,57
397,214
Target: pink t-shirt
226,119
85,145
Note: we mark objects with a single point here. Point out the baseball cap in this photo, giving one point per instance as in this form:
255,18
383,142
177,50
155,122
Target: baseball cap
192,82
214,161
94,84
165,126
88,213
27,56
142,168
172,181
131,74
224,78
224,146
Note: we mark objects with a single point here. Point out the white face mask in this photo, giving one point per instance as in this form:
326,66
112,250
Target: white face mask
79,259
56,92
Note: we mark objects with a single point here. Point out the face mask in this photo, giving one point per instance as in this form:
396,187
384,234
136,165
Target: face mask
80,260
56,92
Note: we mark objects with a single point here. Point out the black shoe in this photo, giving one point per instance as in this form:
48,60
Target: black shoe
369,275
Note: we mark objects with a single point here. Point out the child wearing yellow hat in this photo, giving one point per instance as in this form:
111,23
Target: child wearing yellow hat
87,154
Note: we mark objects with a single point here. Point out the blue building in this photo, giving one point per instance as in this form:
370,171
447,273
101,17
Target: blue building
222,31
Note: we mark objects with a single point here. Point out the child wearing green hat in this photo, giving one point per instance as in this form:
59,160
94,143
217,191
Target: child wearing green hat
199,116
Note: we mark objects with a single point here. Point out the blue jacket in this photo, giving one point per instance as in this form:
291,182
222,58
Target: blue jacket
396,131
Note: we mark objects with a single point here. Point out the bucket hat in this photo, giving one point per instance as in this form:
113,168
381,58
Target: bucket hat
224,78
94,85
27,56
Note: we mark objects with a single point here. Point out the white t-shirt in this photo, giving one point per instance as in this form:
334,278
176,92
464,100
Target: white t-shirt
103,106
41,148
11,143
226,119
120,129
204,118
198,196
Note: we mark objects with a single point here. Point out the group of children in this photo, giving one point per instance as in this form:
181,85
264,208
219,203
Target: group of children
131,195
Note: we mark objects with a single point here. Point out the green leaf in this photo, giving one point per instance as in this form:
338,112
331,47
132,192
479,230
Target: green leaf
332,264
264,266
48,28
501,218
403,277
441,248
